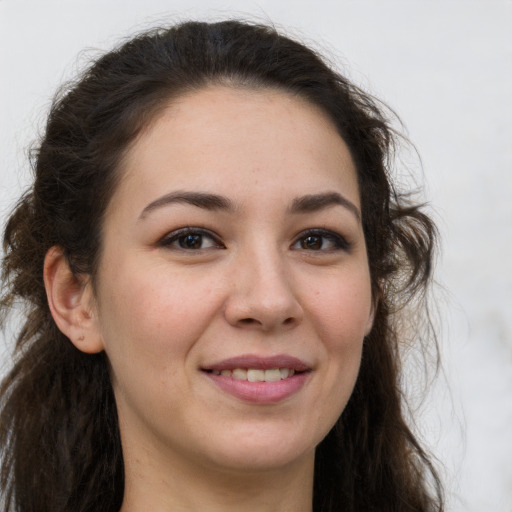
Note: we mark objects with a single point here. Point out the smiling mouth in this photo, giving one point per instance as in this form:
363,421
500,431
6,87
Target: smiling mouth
256,374
259,380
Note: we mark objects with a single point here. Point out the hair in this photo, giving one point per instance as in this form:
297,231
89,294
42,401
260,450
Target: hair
59,433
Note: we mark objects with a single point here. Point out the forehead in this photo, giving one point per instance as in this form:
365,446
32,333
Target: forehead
228,140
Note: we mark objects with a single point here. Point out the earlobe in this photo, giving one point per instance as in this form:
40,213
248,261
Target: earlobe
70,302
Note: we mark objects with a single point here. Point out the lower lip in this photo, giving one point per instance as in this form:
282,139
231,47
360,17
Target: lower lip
260,392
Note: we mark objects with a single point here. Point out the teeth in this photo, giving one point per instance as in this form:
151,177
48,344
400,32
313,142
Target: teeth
256,374
240,374
286,372
273,375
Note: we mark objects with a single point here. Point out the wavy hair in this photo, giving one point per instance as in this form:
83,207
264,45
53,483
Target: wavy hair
59,434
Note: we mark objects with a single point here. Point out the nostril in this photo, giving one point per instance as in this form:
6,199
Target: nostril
253,321
248,321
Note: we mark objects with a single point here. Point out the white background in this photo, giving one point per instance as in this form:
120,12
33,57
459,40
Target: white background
446,68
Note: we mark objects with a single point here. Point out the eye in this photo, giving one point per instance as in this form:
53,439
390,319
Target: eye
320,240
191,239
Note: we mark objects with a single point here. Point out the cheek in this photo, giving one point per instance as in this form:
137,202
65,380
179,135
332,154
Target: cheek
150,326
152,314
340,312
342,309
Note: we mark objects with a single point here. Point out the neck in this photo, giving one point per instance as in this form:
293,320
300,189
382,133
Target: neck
160,484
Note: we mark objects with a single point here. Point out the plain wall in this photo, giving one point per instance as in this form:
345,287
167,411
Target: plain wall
446,68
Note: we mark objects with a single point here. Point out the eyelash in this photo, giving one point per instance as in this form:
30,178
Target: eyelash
174,238
337,241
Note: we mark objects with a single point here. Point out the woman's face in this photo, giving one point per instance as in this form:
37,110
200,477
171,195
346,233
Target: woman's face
233,252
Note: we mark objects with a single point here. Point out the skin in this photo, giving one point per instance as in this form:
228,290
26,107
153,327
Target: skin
251,283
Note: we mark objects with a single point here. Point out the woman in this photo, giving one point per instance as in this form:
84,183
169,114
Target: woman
214,264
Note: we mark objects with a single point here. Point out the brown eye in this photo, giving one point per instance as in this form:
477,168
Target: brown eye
191,239
311,242
320,240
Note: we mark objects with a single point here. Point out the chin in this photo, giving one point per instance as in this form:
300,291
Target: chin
258,451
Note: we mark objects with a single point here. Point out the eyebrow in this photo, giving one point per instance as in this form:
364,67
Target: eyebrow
199,199
304,204
315,202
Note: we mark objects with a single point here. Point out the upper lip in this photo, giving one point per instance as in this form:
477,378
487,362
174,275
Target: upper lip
259,362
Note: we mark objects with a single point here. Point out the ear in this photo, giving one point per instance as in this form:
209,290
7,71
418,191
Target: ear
71,302
371,314
371,318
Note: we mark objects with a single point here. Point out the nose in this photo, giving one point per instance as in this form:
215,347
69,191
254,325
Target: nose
262,294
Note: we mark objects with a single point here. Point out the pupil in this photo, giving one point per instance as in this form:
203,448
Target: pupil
191,242
312,242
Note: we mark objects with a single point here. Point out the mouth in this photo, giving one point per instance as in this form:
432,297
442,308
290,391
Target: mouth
259,379
257,374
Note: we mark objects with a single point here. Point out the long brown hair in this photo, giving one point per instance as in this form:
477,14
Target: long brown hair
59,435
